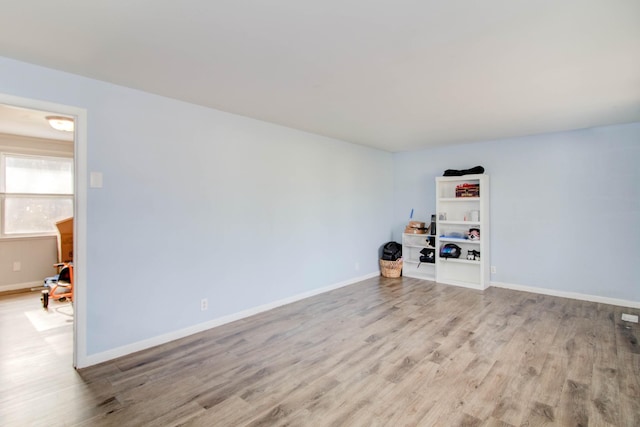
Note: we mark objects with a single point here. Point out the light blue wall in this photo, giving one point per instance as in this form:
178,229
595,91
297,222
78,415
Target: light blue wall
198,203
565,210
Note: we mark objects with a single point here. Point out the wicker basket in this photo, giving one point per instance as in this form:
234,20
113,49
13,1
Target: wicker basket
391,268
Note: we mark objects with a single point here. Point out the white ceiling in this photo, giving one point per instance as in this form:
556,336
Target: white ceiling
397,75
33,123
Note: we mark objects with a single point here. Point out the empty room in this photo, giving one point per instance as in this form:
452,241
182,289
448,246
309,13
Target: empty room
235,171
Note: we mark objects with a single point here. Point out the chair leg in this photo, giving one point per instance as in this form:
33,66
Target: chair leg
45,299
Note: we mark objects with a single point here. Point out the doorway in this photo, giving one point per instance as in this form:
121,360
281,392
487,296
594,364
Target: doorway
79,211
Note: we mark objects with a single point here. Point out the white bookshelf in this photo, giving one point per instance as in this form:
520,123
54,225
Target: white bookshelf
455,216
412,244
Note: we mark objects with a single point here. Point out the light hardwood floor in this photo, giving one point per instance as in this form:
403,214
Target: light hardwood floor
395,352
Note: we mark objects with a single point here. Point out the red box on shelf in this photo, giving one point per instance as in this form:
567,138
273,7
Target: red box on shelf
468,190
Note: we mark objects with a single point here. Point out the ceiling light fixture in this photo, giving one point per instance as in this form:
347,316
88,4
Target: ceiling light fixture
64,124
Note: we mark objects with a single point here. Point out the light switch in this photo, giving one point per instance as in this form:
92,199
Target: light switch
95,180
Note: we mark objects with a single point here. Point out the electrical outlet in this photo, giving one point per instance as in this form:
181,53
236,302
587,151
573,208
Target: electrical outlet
493,269
204,304
630,318
357,266
17,266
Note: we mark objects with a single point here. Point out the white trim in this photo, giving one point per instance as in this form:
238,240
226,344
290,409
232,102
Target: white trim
39,146
21,286
80,215
565,294
28,237
467,285
172,336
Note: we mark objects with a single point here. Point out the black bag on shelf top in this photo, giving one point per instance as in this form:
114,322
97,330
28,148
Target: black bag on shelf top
391,251
462,172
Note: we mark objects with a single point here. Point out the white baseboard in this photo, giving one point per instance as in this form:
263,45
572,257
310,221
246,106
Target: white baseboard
105,356
19,286
564,294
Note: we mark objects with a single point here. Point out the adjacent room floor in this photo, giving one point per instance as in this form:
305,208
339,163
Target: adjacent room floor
36,359
380,352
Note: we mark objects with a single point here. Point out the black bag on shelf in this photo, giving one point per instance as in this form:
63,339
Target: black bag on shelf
450,250
461,172
391,251
428,255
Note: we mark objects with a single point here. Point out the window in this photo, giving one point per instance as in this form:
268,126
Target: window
36,192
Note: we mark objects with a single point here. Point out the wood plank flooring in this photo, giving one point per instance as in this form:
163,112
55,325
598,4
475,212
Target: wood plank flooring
382,352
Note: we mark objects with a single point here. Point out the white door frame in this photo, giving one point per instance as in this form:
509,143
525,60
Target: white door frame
80,216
